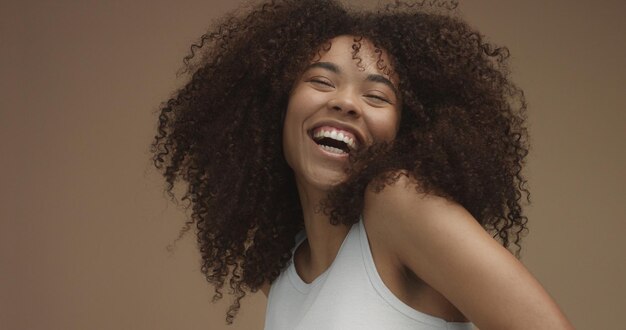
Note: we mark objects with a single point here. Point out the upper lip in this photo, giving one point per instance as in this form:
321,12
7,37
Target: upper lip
360,139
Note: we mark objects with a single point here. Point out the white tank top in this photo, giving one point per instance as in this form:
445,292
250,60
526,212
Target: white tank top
348,295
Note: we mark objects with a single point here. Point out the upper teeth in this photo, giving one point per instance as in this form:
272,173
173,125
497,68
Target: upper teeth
335,135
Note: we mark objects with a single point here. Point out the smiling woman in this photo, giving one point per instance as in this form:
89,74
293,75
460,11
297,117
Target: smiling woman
334,99
363,169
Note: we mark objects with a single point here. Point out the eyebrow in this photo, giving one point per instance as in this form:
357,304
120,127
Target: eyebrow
381,79
324,65
370,77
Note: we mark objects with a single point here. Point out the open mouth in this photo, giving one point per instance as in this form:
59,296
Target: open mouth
333,140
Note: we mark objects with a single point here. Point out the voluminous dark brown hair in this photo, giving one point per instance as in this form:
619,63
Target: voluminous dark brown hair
461,136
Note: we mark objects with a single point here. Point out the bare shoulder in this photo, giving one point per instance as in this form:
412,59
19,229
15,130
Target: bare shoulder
403,200
406,217
444,245
406,189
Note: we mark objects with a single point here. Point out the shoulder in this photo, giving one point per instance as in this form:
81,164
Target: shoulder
443,244
405,196
415,222
405,209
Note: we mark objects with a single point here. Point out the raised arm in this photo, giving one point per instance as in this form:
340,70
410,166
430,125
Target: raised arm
445,246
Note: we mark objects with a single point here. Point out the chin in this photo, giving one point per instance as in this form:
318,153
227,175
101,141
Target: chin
327,180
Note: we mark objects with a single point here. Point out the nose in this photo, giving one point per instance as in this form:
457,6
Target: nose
346,103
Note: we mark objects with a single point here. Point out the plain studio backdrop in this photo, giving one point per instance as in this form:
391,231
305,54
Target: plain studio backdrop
84,222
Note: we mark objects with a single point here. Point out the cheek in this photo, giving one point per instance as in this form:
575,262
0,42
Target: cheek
294,109
290,115
292,127
287,136
384,126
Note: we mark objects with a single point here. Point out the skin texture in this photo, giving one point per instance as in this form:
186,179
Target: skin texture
441,243
459,133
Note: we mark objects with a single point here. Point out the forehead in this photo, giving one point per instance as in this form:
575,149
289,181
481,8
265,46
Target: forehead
360,52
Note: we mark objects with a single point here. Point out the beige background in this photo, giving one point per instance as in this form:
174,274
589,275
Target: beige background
84,224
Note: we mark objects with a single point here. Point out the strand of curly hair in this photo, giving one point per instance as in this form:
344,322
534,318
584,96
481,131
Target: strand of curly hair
462,134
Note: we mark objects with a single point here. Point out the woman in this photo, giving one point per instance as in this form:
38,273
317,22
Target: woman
356,167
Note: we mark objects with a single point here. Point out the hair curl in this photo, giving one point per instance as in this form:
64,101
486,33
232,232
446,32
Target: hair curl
462,133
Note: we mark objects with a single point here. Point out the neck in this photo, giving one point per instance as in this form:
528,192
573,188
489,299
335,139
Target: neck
323,238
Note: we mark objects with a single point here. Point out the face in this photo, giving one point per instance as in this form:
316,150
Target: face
338,106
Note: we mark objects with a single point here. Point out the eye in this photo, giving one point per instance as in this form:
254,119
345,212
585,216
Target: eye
378,98
321,81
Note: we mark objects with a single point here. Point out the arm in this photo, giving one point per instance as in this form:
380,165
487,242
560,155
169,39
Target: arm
447,248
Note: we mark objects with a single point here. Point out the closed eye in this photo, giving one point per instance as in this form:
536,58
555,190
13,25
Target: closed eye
379,98
321,81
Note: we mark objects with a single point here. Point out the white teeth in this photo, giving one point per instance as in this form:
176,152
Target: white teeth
335,135
332,149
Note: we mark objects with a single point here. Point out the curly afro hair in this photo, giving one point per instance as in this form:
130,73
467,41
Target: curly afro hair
462,134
